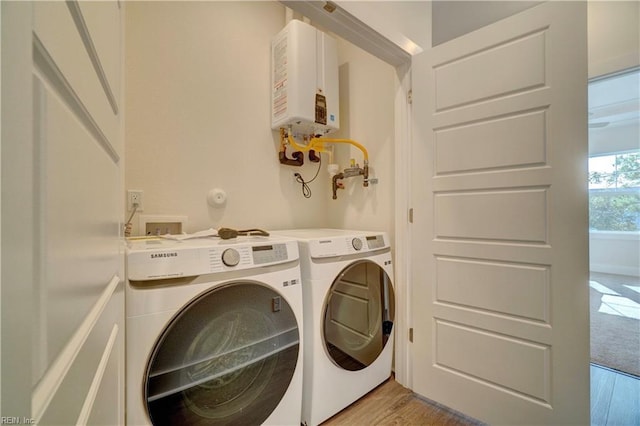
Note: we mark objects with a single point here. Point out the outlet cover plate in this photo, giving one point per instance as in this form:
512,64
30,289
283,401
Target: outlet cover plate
134,196
146,220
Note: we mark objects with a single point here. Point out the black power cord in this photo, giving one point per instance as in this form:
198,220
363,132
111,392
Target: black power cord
306,191
228,233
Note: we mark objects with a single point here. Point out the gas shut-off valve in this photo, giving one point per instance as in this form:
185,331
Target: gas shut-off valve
353,170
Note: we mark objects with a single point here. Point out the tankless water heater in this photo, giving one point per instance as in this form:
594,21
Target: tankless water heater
304,76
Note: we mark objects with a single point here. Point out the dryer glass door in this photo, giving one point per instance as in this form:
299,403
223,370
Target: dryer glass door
358,315
227,358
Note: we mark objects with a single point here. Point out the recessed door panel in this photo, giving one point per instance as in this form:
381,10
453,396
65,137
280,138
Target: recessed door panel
499,241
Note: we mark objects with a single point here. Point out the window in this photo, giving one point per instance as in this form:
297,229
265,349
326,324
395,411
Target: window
614,192
614,147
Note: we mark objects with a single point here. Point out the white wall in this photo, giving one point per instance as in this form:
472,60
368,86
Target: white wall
614,36
614,45
367,110
198,117
615,252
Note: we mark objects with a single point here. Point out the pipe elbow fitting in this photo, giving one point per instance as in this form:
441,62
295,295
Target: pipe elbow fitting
366,174
335,185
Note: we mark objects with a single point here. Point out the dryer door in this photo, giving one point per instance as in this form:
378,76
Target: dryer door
226,358
358,315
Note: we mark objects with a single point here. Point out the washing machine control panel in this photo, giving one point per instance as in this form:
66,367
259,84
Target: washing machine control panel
252,255
155,260
269,253
375,242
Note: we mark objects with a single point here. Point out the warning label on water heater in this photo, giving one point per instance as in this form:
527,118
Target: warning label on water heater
280,77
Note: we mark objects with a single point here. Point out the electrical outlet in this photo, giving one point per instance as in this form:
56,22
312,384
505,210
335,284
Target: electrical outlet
134,196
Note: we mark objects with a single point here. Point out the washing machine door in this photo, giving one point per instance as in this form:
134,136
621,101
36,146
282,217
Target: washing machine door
358,315
226,358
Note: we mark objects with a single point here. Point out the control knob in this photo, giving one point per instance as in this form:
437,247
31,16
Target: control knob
230,257
357,244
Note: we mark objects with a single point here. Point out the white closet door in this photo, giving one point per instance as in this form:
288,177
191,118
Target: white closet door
500,237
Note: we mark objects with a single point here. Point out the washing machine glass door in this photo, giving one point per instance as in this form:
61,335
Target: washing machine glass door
226,358
358,315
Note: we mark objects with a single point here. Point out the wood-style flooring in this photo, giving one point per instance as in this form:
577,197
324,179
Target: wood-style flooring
392,404
615,400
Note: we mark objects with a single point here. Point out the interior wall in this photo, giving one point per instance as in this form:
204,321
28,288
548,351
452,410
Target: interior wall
614,44
367,115
198,118
614,252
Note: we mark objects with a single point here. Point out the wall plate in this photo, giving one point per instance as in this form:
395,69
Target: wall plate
161,224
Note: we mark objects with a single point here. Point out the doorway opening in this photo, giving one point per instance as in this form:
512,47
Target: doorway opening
614,238
614,221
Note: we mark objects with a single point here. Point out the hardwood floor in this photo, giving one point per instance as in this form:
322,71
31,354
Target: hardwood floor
392,404
615,400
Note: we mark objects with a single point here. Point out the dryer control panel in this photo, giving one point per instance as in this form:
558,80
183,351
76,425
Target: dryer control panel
155,259
345,245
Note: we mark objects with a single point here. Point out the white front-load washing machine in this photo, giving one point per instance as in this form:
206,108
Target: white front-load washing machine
214,332
349,308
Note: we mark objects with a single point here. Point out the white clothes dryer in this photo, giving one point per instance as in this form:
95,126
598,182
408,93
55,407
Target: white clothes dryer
214,332
349,308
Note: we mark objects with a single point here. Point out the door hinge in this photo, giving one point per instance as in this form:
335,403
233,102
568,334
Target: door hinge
410,97
411,334
411,215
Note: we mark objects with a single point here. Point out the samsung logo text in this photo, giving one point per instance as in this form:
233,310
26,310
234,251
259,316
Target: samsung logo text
157,255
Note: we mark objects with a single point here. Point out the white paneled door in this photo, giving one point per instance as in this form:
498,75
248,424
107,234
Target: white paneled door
500,258
62,290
